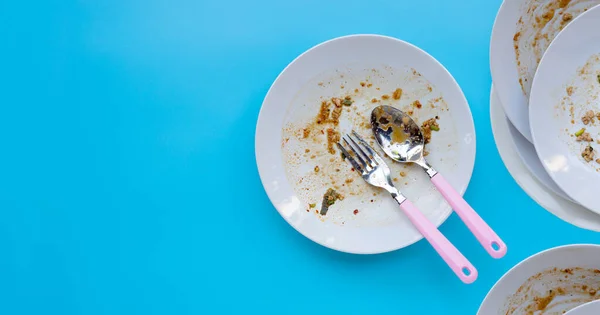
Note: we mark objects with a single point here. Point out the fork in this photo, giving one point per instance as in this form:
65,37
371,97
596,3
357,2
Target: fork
374,171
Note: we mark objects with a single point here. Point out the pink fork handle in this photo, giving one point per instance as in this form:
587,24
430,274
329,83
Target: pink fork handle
484,234
455,260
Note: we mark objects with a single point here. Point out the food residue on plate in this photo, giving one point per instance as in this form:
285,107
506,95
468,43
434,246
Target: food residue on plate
329,198
554,291
579,107
312,139
428,126
540,22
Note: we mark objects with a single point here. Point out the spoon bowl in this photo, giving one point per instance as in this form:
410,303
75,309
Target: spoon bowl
399,136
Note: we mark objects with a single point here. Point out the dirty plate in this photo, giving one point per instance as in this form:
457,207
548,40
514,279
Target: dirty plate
332,89
551,282
565,88
522,32
564,209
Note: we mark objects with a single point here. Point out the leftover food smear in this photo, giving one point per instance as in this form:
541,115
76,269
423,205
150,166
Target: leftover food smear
580,109
321,177
554,291
539,23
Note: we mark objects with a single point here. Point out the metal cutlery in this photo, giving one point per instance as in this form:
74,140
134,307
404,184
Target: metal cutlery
402,140
374,171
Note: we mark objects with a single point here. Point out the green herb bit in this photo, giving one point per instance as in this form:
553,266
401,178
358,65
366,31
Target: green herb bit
434,128
312,205
347,102
580,132
599,78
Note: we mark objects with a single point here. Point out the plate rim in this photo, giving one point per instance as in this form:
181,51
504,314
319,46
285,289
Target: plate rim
453,81
520,108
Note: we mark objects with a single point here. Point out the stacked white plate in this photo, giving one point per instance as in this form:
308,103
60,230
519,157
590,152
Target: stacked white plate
545,64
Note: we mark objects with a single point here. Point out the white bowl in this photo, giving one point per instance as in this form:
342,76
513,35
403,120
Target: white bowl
528,285
337,66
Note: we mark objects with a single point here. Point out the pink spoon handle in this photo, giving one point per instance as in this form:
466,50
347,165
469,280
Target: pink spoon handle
455,260
484,234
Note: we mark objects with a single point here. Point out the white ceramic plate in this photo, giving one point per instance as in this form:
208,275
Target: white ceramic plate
560,207
513,72
591,308
527,153
566,86
551,282
364,66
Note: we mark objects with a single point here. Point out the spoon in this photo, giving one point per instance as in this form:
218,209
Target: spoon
402,140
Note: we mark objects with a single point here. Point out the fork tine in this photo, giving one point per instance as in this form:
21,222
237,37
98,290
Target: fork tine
368,158
347,155
364,164
371,151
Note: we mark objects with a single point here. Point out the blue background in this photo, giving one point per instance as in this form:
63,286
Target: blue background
124,189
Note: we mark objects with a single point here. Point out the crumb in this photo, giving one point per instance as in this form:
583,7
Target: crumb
355,90
323,114
317,169
567,17
349,180
320,84
395,179
598,161
385,97
570,90
584,137
307,150
313,156
417,104
330,197
425,153
548,15
516,37
305,133
397,94
336,101
355,211
341,86
374,100
588,153
377,88
402,174
369,85
333,137
428,126
588,117
362,84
